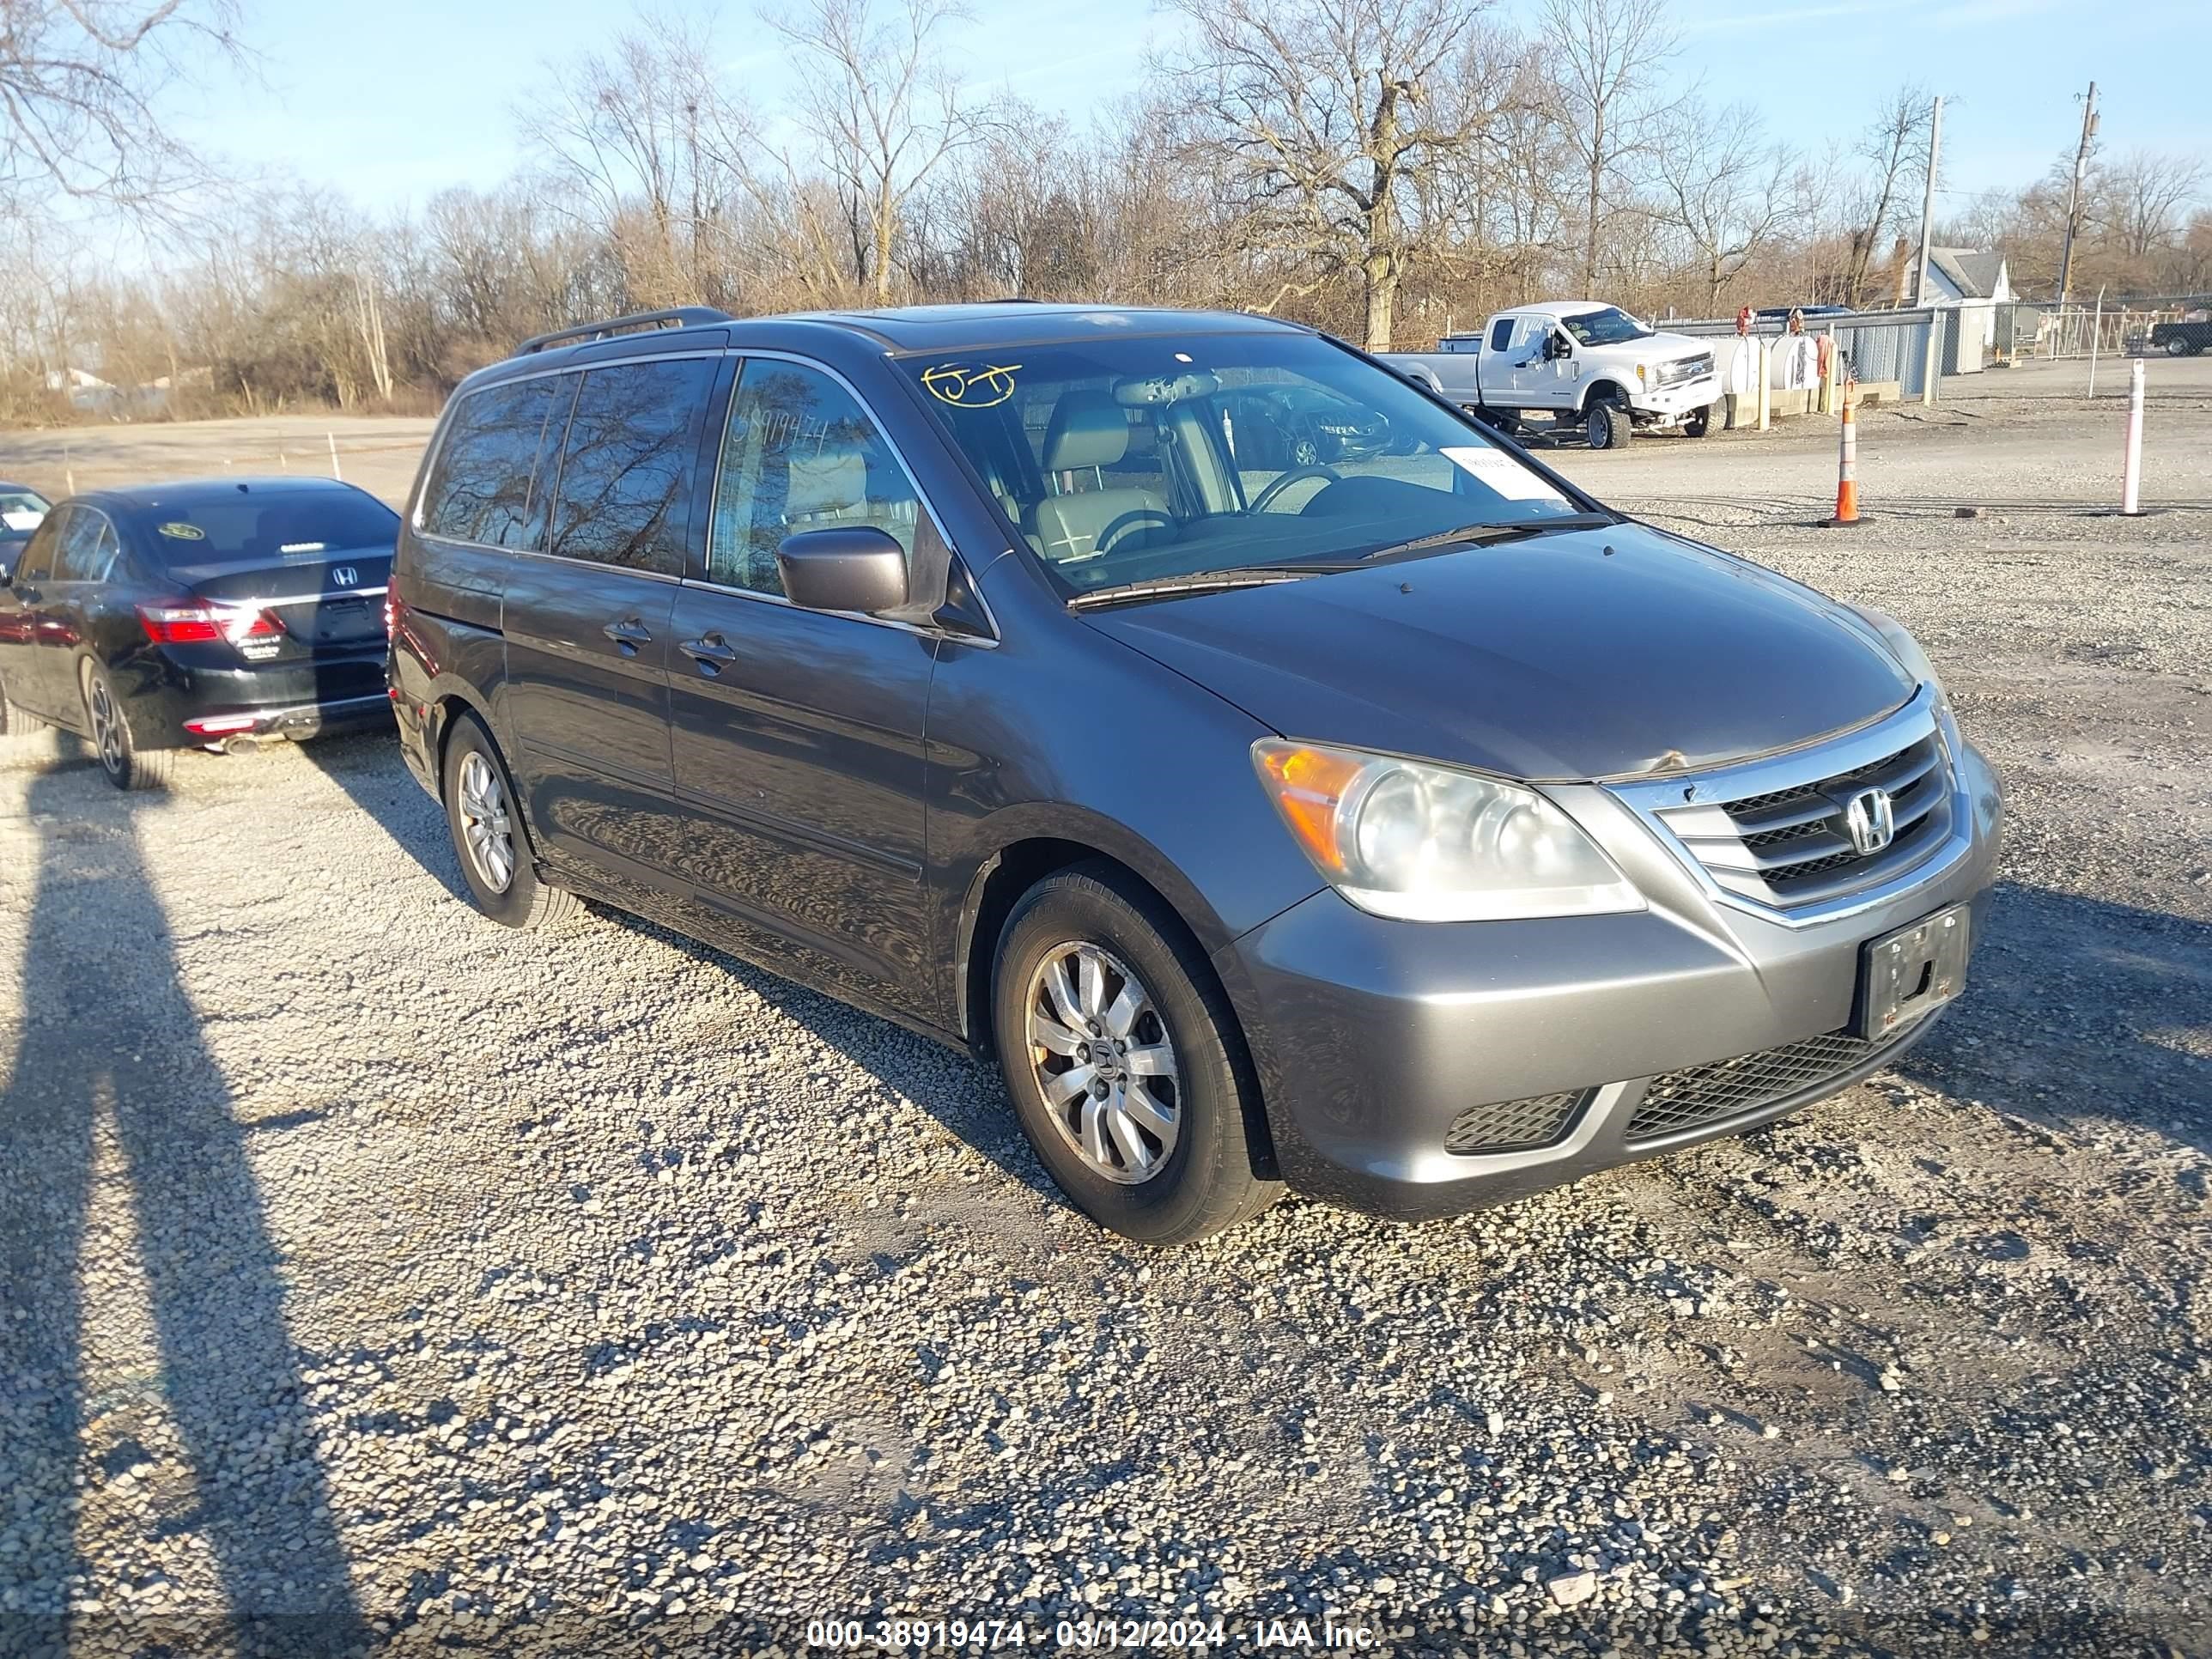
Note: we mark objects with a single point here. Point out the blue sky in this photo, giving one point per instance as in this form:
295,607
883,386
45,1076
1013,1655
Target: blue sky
392,102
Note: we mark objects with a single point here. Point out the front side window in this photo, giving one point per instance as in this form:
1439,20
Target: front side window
1610,327
1123,460
627,465
87,548
799,453
37,564
481,490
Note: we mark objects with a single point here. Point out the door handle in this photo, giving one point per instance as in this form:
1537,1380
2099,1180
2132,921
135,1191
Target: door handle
712,654
627,634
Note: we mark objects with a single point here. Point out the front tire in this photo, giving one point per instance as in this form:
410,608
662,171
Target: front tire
490,838
1704,421
125,764
1124,1060
1608,426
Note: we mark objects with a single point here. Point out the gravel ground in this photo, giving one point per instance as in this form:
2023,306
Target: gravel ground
378,1277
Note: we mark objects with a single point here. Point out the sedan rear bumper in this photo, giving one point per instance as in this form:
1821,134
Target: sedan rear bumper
175,705
1383,1045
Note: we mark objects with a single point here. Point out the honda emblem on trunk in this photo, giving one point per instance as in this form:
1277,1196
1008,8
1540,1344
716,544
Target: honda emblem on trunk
345,575
1871,820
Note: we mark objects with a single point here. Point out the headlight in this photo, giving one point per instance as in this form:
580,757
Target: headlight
1431,843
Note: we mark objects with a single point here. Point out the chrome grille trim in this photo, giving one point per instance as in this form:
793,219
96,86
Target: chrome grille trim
1768,835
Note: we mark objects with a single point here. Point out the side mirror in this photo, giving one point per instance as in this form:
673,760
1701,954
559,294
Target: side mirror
858,569
1557,346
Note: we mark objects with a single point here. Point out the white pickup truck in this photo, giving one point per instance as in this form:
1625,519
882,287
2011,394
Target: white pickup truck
1581,362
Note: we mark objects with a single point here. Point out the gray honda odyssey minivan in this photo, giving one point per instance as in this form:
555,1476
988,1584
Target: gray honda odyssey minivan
1406,829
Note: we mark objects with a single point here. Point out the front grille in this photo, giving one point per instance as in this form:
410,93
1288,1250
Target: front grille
1684,369
1506,1125
1699,1095
1792,846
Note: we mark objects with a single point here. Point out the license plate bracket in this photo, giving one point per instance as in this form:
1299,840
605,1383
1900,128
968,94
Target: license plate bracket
1907,974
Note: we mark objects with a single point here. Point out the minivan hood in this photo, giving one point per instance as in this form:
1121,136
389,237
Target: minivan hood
1581,654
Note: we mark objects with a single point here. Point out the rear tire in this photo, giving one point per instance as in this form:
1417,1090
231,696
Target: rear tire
2177,347
1155,996
127,765
1607,425
490,839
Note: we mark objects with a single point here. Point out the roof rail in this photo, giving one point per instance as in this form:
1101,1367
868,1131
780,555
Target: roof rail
674,317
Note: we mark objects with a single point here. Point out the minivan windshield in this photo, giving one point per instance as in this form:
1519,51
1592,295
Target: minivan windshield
1136,459
1611,327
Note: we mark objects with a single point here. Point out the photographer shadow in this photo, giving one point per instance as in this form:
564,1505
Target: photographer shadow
112,1087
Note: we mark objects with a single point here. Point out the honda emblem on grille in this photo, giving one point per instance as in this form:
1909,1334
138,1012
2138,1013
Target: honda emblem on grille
1871,819
345,575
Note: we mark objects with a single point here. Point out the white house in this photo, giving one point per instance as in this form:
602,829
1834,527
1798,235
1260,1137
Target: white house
1975,281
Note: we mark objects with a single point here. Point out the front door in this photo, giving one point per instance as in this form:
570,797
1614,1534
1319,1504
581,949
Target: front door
588,622
24,632
798,735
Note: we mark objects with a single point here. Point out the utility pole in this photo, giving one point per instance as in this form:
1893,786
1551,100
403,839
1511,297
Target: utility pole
2074,196
1928,200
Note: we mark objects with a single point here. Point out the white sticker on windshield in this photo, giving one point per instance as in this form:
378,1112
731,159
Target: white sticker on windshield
1495,470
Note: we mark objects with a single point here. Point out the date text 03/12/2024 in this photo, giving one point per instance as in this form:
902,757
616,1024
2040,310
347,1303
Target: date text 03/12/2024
984,1635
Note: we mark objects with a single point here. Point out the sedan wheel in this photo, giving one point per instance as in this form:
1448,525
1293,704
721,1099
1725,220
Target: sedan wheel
127,766
485,822
1103,1062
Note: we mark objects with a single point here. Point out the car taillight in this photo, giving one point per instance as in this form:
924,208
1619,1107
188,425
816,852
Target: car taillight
198,624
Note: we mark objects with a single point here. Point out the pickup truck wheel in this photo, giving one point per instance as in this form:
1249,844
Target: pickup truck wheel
2177,347
1711,418
1607,424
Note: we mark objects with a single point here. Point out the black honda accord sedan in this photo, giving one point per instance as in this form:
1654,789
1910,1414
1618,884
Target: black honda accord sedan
207,614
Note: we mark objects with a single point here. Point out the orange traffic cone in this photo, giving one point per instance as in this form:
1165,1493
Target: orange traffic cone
1847,466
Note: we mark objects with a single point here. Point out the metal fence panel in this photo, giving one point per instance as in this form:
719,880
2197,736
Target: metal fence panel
1876,345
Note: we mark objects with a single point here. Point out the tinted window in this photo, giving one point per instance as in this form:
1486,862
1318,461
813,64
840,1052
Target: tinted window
481,489
37,561
626,467
269,524
1501,332
21,511
87,548
799,453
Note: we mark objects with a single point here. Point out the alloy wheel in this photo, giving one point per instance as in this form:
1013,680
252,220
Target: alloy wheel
1103,1062
107,735
486,826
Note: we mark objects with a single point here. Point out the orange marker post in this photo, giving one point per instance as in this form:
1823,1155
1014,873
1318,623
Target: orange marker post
1847,466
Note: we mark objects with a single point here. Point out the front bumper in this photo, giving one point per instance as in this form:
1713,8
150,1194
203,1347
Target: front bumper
1372,1037
1678,402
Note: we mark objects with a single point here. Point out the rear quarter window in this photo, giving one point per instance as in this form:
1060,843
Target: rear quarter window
480,490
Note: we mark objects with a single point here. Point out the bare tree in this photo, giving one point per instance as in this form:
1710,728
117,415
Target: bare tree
1605,58
1723,184
2140,199
1328,116
1896,146
82,83
648,142
887,112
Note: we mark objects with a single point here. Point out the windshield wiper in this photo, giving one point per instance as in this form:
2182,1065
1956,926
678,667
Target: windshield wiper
1200,581
1494,532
